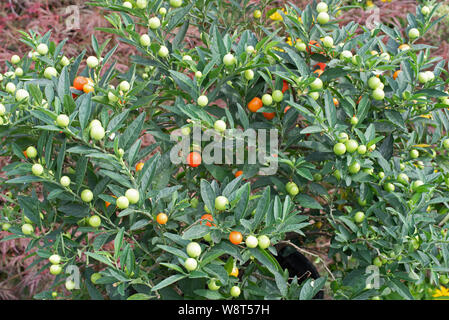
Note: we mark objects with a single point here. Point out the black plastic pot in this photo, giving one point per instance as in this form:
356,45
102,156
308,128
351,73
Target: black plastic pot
298,265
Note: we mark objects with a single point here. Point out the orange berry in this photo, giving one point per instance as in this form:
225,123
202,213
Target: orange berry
139,166
284,86
209,218
319,72
396,74
162,218
286,109
234,272
79,82
235,237
88,88
255,104
336,102
25,154
194,159
320,65
269,115
238,173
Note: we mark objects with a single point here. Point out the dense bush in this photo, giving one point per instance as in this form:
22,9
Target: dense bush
361,116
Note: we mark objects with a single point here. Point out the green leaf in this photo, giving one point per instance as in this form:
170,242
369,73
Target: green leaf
100,258
242,116
301,66
211,256
117,121
401,288
175,251
181,33
333,73
363,108
395,117
196,232
85,110
63,84
330,110
209,294
118,242
75,210
121,179
81,169
170,280
262,208
25,179
267,260
139,224
132,132
172,266
208,195
281,284
139,296
311,287
312,129
217,271
307,201
148,172
242,205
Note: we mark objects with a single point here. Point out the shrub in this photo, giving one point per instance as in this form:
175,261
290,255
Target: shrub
361,151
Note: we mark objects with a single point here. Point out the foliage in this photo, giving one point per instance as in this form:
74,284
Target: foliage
402,230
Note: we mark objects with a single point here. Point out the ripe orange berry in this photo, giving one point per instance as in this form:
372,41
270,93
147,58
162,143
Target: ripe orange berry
238,173
255,104
269,115
336,102
284,86
209,218
234,272
88,88
162,218
396,74
320,65
319,72
235,237
79,82
139,166
194,159
286,109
